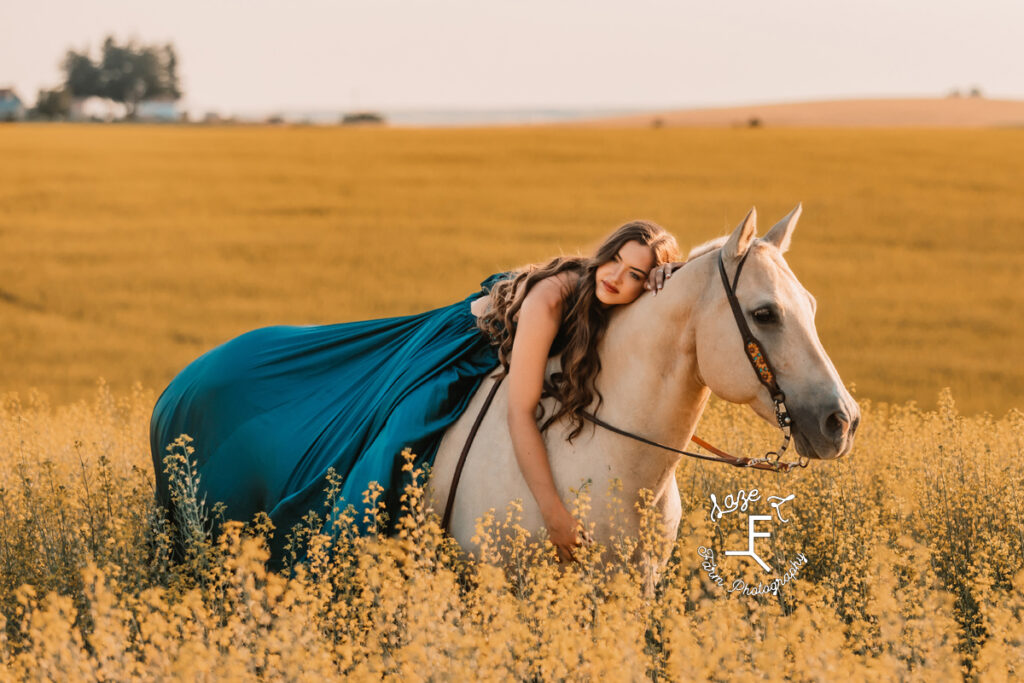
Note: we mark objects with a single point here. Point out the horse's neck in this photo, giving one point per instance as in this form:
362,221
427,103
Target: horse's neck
649,379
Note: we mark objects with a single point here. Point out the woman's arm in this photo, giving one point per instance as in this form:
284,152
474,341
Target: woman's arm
539,320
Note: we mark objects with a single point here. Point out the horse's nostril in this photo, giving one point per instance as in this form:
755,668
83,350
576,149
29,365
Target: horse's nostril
853,427
837,424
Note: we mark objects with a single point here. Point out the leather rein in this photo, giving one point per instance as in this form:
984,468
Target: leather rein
758,360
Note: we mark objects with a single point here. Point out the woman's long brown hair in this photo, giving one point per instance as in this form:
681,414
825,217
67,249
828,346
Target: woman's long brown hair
584,319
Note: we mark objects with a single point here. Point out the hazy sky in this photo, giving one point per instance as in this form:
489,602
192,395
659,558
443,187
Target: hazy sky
454,54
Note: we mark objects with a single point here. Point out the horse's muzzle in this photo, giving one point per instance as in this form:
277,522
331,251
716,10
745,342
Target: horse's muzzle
831,430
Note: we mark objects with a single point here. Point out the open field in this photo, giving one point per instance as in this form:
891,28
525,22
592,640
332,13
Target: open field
946,112
128,251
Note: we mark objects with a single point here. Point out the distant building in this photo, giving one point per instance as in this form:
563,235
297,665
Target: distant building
96,109
158,109
11,107
215,118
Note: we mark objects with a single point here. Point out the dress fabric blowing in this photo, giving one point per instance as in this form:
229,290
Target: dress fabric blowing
271,410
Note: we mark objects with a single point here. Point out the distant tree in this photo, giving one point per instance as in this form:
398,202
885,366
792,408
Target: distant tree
126,73
81,76
53,104
362,117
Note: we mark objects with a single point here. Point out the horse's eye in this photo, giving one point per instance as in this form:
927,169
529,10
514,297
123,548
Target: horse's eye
765,316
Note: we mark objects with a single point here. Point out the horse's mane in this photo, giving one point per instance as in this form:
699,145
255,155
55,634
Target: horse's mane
710,245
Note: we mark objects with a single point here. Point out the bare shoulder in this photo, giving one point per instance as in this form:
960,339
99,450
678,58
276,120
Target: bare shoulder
568,278
548,294
553,290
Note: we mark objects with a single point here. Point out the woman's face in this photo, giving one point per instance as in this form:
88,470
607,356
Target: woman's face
621,280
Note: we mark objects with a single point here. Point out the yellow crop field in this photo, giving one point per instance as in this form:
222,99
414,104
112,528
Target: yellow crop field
130,250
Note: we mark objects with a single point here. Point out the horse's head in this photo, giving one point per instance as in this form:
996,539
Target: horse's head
780,314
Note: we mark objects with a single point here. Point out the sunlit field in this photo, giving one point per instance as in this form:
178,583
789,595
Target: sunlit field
130,250
913,572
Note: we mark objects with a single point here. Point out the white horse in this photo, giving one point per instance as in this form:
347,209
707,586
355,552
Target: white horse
661,358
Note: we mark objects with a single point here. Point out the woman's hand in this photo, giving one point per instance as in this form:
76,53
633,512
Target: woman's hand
565,532
660,275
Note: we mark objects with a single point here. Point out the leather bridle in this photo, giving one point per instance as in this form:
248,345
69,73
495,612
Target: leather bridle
758,360
763,369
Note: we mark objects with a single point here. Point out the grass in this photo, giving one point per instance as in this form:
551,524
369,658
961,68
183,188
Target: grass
128,251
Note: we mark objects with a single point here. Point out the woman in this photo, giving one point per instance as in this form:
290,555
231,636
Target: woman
561,307
274,409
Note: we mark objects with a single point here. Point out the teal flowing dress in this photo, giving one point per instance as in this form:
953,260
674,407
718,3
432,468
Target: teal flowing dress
272,410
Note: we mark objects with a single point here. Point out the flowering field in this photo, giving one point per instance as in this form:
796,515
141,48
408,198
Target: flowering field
130,250
913,554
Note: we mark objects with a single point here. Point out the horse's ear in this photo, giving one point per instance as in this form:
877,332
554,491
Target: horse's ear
782,232
741,238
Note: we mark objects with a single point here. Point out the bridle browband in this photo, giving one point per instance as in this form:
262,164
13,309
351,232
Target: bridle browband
758,360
